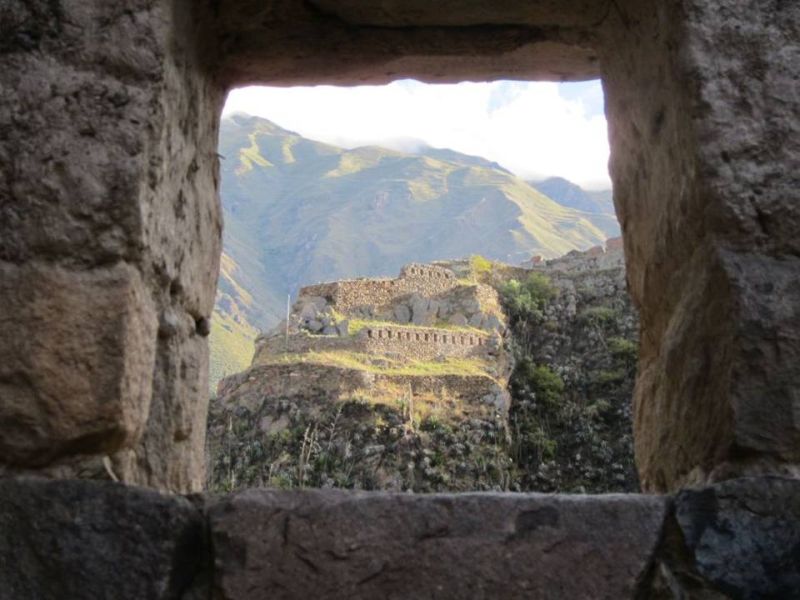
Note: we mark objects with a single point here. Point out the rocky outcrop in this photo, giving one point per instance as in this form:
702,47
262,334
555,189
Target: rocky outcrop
574,335
317,424
391,406
334,427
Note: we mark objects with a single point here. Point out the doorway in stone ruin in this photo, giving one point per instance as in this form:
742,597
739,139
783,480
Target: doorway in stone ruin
455,289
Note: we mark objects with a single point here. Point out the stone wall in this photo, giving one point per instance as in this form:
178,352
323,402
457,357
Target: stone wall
705,151
419,343
592,260
110,228
350,295
109,249
258,386
110,237
732,540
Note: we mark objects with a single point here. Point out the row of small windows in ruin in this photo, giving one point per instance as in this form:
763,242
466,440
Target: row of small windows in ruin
430,273
444,338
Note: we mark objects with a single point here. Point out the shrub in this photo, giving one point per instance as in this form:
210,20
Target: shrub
545,384
598,315
604,377
622,349
526,300
479,265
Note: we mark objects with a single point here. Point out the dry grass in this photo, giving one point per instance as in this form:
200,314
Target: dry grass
384,365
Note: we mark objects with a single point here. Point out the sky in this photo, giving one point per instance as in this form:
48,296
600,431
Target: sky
534,129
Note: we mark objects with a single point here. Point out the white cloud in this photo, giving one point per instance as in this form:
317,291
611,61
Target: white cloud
529,128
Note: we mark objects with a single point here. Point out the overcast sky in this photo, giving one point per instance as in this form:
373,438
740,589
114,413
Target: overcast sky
535,130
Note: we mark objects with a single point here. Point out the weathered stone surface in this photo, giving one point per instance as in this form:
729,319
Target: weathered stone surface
744,535
82,383
108,123
108,163
418,13
383,41
710,230
357,545
402,314
80,539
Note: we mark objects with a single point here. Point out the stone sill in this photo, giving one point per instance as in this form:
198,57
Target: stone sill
88,539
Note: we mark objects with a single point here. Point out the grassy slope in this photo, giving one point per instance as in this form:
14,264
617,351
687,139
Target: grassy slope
385,366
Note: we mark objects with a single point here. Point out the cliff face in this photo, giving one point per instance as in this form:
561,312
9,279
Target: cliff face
571,417
410,384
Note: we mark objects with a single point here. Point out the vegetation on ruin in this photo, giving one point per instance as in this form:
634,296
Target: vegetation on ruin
479,266
571,389
525,301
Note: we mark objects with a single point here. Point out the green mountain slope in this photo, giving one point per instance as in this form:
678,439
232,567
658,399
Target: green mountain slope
597,206
299,211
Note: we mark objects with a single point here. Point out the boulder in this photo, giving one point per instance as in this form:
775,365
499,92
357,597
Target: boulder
402,314
343,328
458,320
493,323
423,311
313,325
477,320
308,311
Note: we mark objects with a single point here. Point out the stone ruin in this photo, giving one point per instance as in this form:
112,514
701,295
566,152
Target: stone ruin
422,315
110,236
401,315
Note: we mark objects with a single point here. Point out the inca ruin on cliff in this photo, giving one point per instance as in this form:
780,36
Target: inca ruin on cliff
426,342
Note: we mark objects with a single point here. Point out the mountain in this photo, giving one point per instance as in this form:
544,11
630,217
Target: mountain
598,206
299,211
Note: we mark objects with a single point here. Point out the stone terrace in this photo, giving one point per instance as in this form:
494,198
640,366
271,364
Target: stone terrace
420,343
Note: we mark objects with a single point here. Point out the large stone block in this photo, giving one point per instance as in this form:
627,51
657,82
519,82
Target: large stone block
108,132
741,539
64,540
333,544
704,156
76,361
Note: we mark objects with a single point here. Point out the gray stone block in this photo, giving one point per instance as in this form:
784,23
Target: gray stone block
65,540
744,535
333,544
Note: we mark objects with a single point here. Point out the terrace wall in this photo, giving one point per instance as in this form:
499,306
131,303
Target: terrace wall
419,343
348,295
